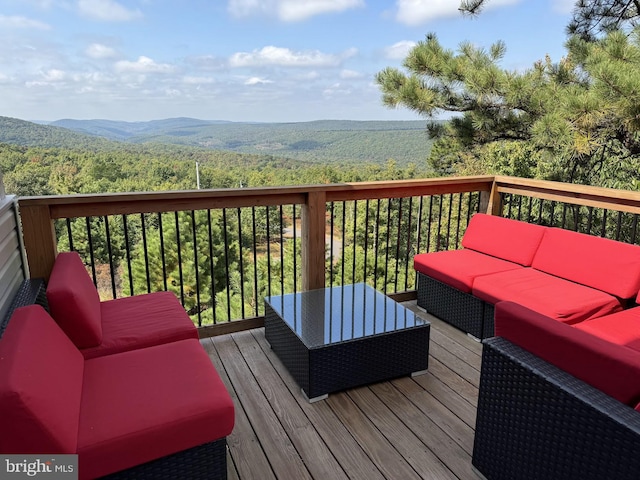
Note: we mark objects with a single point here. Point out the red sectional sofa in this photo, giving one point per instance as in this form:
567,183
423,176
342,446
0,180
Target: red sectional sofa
559,400
102,328
129,404
566,275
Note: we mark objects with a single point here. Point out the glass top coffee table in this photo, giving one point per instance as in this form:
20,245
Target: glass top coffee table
341,337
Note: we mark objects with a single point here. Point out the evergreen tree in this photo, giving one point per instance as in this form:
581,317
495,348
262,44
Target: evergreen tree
579,116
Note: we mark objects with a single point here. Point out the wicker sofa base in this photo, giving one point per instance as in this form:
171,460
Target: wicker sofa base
207,461
460,309
535,421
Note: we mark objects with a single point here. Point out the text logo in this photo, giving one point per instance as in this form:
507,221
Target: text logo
58,467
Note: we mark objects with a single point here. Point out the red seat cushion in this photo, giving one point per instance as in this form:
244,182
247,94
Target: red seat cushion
139,405
40,385
591,359
552,296
73,300
622,328
600,263
504,238
458,268
141,321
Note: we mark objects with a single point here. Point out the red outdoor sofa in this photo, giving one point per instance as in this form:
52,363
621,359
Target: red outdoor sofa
124,384
559,400
565,275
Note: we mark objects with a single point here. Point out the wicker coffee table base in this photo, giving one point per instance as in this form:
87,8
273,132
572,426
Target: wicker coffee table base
339,366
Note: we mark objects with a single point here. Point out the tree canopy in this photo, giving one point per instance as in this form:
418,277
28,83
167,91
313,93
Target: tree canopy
590,18
575,120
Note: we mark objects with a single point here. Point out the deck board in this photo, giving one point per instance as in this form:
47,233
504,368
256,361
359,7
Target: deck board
411,427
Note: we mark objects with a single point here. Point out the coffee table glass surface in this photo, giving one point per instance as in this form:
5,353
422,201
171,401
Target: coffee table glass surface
341,337
339,314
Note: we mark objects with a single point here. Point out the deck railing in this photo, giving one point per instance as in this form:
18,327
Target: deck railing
222,251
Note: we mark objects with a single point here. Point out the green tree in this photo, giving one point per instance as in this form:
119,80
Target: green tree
579,116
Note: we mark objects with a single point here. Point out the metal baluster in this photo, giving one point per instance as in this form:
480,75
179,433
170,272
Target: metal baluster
111,267
226,262
162,255
128,252
195,264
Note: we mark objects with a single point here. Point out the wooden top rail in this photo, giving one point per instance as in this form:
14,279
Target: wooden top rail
38,213
71,206
606,198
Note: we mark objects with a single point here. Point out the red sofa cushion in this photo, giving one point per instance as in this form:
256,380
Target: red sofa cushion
591,359
40,385
504,238
139,405
73,300
622,328
141,321
458,268
600,263
552,296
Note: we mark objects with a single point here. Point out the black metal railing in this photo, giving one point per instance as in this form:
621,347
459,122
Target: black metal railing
221,263
604,222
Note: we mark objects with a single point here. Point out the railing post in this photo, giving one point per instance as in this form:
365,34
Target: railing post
39,239
491,202
313,240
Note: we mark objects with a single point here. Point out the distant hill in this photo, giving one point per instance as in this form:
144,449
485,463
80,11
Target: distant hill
19,132
123,131
326,141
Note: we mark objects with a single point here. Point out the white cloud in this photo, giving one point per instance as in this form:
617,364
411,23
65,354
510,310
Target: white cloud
350,74
418,12
564,6
99,51
290,10
143,65
190,80
312,75
399,50
284,57
107,10
16,21
296,10
336,89
54,75
257,81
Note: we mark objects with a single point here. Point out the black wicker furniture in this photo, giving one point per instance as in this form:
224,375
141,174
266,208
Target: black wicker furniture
563,274
341,337
569,415
157,412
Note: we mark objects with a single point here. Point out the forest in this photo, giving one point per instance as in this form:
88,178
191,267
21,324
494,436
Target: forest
219,262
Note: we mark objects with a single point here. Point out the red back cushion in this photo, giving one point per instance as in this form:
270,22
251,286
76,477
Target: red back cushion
504,238
608,367
600,263
74,302
40,385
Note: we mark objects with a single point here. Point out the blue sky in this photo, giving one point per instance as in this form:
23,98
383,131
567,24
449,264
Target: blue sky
240,60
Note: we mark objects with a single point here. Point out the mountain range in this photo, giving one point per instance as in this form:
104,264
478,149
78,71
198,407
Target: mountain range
326,141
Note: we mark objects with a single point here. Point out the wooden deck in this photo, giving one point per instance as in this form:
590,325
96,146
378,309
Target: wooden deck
408,428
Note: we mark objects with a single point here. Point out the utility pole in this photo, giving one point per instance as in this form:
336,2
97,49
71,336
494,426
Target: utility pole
197,175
